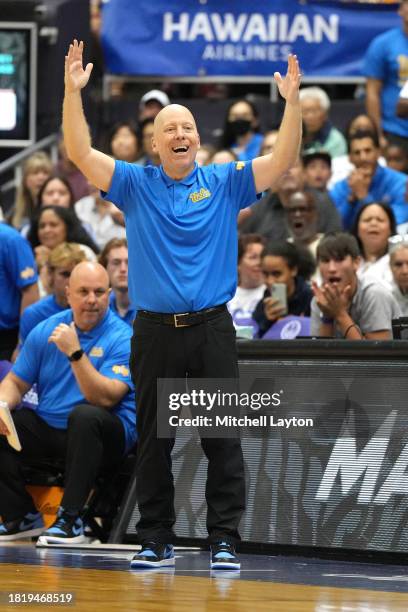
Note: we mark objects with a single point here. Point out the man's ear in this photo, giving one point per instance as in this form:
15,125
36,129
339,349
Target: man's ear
154,145
67,293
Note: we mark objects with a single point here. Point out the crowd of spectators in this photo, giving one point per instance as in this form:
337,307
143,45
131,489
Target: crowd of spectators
342,182
324,252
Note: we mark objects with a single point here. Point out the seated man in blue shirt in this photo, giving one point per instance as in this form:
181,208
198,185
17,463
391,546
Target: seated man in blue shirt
18,286
114,257
79,359
60,263
181,225
369,182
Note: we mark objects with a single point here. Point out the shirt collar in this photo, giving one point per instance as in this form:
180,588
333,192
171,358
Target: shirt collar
95,330
188,180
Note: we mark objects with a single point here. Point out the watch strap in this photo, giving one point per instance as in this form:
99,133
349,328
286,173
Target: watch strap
76,355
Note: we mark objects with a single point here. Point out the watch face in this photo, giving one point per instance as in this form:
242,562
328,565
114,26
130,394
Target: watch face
76,355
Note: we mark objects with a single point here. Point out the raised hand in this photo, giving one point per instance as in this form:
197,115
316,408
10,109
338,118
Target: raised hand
289,86
332,300
75,76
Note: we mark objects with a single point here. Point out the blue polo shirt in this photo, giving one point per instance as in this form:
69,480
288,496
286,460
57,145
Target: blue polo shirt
35,313
182,235
386,60
130,314
387,185
107,346
17,271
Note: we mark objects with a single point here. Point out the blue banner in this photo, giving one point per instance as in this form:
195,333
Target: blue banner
239,38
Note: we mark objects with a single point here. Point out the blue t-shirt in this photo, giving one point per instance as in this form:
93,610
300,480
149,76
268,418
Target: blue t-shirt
17,271
182,235
252,148
107,346
387,61
35,313
387,185
130,314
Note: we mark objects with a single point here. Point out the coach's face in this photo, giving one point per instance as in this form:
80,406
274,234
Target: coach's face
176,140
88,294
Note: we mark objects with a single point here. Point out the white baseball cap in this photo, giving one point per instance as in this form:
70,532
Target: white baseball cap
155,94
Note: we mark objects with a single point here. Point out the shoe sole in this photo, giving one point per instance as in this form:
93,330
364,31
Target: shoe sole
45,539
153,564
22,534
225,565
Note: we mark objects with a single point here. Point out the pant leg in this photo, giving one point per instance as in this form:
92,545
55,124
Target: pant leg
157,352
95,440
8,342
213,354
39,441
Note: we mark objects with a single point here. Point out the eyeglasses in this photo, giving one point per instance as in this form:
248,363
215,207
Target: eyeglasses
396,241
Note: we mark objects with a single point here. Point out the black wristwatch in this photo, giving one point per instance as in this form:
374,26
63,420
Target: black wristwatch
76,355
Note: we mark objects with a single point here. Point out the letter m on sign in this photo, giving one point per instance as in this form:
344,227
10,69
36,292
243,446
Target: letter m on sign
351,466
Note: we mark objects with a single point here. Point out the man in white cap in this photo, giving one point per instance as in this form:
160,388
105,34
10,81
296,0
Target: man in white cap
152,103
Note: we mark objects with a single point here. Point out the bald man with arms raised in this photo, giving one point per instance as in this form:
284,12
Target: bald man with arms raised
181,223
79,359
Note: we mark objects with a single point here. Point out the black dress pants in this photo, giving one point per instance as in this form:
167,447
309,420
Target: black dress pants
94,441
8,342
206,350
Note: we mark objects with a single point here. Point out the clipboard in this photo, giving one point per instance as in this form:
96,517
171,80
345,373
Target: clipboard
12,438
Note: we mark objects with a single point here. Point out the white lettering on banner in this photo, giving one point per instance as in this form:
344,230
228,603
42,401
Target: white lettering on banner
245,28
345,461
256,28
351,466
170,26
227,28
247,53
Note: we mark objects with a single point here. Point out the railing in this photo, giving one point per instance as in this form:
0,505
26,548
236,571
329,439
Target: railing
14,162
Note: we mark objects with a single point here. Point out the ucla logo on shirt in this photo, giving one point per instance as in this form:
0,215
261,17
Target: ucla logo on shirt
239,165
197,196
97,351
27,273
120,369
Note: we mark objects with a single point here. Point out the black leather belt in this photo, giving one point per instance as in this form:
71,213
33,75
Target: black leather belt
183,319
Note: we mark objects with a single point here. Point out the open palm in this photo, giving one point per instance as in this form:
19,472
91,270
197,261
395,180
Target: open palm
75,76
289,85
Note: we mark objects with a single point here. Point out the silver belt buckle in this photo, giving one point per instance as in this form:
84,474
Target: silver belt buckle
176,323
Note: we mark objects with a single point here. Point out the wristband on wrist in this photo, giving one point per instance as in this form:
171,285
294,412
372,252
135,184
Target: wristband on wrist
351,327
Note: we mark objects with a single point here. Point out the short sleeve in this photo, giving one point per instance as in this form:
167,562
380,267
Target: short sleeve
374,65
28,361
378,311
242,184
116,363
125,180
20,262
